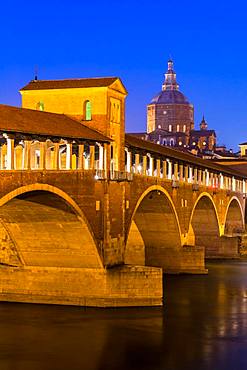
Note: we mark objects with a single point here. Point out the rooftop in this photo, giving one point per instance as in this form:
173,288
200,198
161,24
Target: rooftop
170,97
148,146
70,83
28,121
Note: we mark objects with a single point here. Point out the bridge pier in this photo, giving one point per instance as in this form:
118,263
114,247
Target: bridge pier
188,259
243,246
117,287
223,247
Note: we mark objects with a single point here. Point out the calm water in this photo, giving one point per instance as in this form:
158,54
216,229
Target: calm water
203,325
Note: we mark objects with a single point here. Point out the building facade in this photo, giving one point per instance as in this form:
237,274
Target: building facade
203,140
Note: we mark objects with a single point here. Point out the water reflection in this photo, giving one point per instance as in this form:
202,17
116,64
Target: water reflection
203,325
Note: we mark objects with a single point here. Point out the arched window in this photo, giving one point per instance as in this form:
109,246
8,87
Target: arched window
172,142
40,106
88,110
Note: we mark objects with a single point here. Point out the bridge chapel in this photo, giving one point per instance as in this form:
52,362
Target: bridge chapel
98,103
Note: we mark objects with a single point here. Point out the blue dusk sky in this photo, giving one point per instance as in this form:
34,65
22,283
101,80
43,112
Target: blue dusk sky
133,40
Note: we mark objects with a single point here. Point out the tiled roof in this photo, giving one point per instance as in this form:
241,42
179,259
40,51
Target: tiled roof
238,164
169,152
28,121
69,83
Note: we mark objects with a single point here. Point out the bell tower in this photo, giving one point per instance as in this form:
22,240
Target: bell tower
203,124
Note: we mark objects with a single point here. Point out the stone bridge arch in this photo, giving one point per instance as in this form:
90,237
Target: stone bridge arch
154,234
234,222
41,225
204,227
207,230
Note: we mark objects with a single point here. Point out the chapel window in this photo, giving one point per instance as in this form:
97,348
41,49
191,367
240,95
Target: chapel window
40,106
88,110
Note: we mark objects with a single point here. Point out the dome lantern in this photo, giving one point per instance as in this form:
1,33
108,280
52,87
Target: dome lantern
170,82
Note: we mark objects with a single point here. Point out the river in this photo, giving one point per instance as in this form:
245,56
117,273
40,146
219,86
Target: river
203,325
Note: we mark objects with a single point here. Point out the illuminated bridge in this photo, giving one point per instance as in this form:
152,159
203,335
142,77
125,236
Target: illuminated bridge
93,218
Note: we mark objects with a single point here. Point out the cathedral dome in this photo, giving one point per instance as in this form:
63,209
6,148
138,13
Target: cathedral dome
170,97
170,93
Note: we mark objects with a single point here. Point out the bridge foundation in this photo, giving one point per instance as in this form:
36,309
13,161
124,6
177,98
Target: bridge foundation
117,287
188,259
243,246
223,247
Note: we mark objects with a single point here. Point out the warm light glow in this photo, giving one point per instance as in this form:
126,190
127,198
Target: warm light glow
139,168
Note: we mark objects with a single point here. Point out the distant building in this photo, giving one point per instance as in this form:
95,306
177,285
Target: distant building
170,120
203,139
170,115
221,149
243,149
